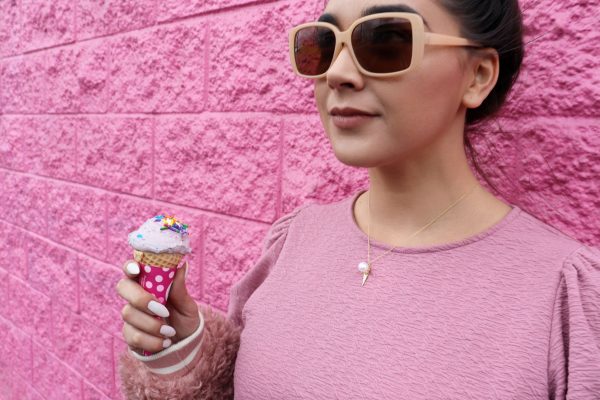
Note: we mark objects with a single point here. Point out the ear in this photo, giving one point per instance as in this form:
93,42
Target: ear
485,68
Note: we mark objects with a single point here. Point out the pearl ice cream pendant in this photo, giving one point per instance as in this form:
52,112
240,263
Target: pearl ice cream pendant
364,268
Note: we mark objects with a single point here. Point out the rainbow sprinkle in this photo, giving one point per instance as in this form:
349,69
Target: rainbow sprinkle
170,222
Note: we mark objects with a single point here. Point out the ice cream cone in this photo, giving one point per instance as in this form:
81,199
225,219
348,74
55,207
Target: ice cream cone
167,260
157,272
159,246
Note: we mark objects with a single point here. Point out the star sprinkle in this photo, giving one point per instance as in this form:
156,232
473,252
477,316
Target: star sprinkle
171,223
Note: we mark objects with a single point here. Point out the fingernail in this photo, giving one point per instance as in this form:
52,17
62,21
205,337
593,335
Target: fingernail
167,330
158,309
133,268
166,343
186,271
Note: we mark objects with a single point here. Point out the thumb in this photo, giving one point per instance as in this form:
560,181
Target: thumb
178,295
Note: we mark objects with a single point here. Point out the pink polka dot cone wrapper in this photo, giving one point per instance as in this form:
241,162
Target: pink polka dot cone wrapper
160,245
157,281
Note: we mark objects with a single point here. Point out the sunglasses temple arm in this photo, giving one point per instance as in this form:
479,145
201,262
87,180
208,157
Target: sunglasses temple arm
436,39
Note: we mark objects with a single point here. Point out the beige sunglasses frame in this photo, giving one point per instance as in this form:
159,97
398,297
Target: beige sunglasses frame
420,39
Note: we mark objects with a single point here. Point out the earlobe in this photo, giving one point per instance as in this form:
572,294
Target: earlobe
484,79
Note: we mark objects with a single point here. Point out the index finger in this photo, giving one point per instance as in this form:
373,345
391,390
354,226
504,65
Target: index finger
131,268
135,295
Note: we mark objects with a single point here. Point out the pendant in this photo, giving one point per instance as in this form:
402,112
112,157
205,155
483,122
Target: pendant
365,276
365,268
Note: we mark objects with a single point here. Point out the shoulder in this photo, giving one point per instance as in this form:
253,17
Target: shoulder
310,218
537,236
574,259
315,210
279,229
583,262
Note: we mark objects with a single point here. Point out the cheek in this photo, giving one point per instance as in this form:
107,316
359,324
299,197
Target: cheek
406,101
421,107
320,93
443,75
320,96
427,98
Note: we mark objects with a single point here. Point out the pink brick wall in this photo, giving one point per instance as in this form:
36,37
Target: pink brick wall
113,111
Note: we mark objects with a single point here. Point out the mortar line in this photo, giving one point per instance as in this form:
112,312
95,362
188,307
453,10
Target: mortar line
130,196
167,22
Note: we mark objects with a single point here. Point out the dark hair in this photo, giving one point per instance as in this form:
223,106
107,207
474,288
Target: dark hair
497,24
494,24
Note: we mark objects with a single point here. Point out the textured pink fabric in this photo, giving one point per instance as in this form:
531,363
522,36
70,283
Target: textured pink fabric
510,313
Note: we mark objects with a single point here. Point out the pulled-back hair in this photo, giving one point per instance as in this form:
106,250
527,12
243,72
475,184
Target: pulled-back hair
497,24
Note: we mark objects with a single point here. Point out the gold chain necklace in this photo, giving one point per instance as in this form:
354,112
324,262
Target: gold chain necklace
365,267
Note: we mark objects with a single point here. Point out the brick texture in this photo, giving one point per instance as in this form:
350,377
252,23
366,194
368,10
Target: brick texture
113,111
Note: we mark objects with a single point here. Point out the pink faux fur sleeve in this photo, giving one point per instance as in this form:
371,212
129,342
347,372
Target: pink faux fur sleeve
211,375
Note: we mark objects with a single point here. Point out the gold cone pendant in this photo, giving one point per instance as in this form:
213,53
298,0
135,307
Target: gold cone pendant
364,268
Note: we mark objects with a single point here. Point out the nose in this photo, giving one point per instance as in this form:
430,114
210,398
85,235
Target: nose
344,72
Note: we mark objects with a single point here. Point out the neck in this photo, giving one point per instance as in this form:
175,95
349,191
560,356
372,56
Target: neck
406,196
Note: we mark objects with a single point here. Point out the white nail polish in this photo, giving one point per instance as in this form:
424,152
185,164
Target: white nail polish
166,343
167,330
133,268
158,309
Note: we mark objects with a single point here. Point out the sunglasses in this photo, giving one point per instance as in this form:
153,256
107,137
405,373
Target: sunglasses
381,45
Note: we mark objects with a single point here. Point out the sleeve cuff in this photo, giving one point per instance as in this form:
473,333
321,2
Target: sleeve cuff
177,359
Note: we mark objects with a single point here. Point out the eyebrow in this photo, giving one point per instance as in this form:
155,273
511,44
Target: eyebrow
327,17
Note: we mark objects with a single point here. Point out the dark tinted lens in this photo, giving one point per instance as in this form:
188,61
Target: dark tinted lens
313,50
383,45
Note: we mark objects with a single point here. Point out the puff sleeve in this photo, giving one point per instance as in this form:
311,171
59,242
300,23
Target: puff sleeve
201,366
272,245
574,349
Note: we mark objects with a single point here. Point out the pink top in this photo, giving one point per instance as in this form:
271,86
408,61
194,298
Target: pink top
512,312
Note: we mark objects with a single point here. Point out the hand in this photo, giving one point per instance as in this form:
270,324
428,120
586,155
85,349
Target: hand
141,328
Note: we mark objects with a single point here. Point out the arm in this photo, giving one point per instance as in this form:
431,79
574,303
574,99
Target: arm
574,349
202,365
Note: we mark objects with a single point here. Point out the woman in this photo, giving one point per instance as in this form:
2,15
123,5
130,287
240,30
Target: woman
424,286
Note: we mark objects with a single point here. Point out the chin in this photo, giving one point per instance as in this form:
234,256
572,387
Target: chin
353,158
352,147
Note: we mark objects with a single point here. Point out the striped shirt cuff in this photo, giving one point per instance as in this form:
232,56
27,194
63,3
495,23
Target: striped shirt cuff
177,360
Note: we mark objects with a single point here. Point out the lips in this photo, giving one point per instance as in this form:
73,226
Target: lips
350,118
350,112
